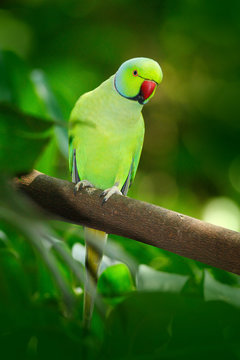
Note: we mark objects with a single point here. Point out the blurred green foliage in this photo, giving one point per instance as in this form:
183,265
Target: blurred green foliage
151,304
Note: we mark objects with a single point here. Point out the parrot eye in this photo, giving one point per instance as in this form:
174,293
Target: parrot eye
135,73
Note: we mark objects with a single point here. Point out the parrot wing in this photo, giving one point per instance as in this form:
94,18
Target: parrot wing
70,149
134,164
136,161
72,162
126,185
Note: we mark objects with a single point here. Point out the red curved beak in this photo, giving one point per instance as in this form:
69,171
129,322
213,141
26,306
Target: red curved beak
147,88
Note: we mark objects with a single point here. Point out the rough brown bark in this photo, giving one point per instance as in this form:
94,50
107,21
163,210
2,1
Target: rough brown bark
150,224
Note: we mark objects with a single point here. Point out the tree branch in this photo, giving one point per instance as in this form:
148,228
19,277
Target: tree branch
150,224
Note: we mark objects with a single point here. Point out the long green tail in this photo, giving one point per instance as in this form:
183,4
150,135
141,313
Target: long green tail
94,242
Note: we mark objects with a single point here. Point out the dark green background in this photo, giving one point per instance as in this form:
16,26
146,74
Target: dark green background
51,52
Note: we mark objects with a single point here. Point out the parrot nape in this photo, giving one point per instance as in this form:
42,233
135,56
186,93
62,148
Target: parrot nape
106,131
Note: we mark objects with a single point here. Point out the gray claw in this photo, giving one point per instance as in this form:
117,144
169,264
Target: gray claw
103,202
106,194
83,184
103,193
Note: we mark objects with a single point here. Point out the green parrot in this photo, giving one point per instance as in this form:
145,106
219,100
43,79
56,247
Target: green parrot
106,131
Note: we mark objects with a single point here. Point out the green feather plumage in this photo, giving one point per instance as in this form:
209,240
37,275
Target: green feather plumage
107,132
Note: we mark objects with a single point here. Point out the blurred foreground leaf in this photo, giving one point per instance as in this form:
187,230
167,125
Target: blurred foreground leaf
158,326
30,92
215,290
149,279
22,139
16,87
52,109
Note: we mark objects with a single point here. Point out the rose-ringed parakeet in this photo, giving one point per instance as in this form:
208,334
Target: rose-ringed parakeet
106,132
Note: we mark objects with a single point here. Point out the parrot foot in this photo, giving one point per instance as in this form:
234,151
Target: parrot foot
106,194
83,184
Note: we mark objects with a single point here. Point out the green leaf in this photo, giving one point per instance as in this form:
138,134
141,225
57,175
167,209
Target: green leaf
153,326
52,107
215,290
4,241
139,326
18,212
13,279
45,94
149,279
16,86
48,160
115,281
22,139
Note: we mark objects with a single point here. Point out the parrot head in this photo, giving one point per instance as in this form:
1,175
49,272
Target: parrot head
137,79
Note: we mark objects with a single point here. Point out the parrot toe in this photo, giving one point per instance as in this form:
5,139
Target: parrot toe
82,185
106,194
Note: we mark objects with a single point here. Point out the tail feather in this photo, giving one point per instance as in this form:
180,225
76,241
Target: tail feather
95,241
